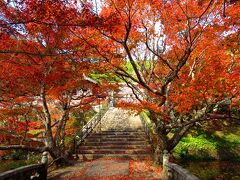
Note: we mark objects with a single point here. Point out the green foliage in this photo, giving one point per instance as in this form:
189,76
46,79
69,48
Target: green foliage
105,76
195,148
209,173
19,158
69,140
146,64
81,117
145,115
204,146
78,119
17,155
10,164
213,169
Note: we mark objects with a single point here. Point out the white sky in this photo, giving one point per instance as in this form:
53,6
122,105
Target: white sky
97,5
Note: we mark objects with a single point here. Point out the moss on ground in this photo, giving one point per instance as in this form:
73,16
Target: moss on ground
205,144
219,145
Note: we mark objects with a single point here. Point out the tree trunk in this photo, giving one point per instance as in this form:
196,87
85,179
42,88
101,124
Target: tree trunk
162,144
59,156
162,139
47,121
60,133
56,152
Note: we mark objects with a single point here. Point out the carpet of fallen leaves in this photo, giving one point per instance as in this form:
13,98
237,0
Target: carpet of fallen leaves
138,170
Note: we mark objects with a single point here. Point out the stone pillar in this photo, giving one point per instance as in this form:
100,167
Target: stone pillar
157,155
165,163
44,160
111,103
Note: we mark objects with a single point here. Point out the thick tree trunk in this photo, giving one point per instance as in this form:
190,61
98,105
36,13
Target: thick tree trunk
178,134
162,139
60,133
162,144
56,152
59,156
47,121
55,144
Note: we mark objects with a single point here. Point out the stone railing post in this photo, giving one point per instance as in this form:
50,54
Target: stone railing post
157,155
165,163
44,160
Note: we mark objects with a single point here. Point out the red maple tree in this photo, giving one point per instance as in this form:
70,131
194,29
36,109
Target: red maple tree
180,58
43,71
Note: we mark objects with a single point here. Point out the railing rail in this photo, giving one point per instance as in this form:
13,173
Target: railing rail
176,172
146,128
35,171
88,128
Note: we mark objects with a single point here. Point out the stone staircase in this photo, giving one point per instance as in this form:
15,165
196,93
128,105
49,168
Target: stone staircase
119,135
115,143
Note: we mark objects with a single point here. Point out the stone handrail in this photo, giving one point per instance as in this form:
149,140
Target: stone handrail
149,135
87,129
34,171
175,172
171,171
146,128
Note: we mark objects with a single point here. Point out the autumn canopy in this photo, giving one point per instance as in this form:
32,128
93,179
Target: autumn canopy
180,59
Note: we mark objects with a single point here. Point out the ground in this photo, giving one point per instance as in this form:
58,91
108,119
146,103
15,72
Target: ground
109,169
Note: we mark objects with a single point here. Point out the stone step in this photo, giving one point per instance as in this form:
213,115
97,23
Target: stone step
116,136
114,139
125,130
115,143
105,143
119,133
118,156
115,151
116,146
